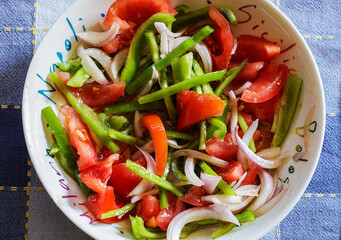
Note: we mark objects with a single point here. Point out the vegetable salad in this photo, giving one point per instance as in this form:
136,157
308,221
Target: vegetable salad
172,122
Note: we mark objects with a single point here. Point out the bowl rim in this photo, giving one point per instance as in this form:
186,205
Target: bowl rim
305,48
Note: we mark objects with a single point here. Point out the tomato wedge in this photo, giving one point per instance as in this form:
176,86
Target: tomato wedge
255,49
79,136
193,196
158,133
148,209
233,172
251,175
250,72
193,107
95,177
223,38
119,42
224,149
267,85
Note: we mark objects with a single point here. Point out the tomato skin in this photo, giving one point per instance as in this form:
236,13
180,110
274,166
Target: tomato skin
193,196
223,37
233,172
193,107
148,209
267,85
251,175
79,136
250,71
255,49
224,149
95,177
119,42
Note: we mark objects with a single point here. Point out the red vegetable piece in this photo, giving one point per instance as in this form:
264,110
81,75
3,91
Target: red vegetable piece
255,49
223,37
251,175
95,177
224,149
267,85
119,42
79,136
148,209
250,72
193,107
193,196
233,172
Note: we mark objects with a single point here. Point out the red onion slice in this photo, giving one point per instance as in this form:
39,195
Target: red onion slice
223,198
210,182
99,39
236,208
215,211
275,182
266,189
248,190
118,62
148,147
199,155
91,67
190,174
270,152
270,204
102,57
175,145
234,115
242,88
241,179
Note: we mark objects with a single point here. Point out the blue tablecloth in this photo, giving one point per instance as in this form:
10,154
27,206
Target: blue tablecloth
27,212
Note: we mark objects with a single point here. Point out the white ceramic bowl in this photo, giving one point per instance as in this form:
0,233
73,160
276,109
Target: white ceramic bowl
60,42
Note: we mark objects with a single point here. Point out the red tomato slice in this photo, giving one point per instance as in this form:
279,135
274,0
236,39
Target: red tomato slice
223,37
267,85
250,71
255,49
251,175
123,180
80,138
119,42
148,209
193,196
95,177
103,202
233,172
193,107
266,138
137,11
223,149
166,215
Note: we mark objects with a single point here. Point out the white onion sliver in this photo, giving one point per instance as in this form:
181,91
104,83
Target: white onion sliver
236,208
275,182
175,145
266,189
91,67
235,44
99,39
205,55
243,160
148,147
270,204
270,152
215,211
210,182
199,155
242,88
179,40
227,199
102,57
118,62
248,135
234,115
247,190
190,174
161,27
241,179
164,43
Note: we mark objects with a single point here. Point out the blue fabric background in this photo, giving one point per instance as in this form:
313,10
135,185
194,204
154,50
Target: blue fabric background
26,209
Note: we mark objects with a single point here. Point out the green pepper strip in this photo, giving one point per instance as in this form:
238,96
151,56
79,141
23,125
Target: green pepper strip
206,87
120,211
138,43
142,172
185,64
153,46
125,138
231,74
168,100
221,128
87,114
175,88
133,106
54,149
78,79
288,104
229,15
211,130
71,65
176,171
68,161
87,191
162,192
163,63
144,67
182,9
139,230
203,135
222,185
117,122
180,135
243,125
175,64
243,217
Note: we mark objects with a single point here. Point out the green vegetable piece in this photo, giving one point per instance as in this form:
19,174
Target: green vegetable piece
229,15
243,125
117,122
104,118
68,158
177,172
125,138
153,46
71,65
180,135
222,185
78,79
162,192
190,228
172,113
185,64
137,45
288,104
143,67
54,149
211,130
87,114
203,135
133,106
120,211
206,87
142,172
87,191
175,88
166,61
231,74
182,9
139,230
175,64
221,128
